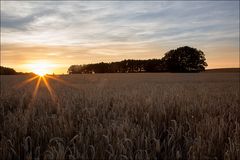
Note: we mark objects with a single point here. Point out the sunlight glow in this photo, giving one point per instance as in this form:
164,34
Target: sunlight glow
25,82
45,79
49,88
40,72
40,68
61,81
36,87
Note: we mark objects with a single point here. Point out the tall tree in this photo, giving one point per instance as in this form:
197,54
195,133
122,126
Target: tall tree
185,59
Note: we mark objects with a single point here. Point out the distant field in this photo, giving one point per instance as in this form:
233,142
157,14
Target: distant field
121,116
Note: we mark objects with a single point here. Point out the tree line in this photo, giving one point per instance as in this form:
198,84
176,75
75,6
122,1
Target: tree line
11,71
182,59
7,71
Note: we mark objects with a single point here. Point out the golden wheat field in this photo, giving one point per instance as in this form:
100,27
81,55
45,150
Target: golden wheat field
121,116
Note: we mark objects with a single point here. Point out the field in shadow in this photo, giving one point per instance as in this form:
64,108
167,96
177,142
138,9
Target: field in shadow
121,116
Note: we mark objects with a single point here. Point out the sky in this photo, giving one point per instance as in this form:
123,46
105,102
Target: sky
60,34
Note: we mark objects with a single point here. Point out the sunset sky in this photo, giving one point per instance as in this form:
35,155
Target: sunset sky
59,34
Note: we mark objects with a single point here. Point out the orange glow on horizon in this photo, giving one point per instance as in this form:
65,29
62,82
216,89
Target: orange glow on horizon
41,67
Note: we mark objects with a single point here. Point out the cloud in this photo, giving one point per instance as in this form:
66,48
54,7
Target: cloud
73,22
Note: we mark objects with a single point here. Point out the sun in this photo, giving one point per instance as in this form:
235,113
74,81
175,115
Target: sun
40,68
39,72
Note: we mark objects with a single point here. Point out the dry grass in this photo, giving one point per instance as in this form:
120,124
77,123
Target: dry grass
122,116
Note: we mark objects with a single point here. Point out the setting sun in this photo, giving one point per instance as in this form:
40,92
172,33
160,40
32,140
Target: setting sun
40,68
40,72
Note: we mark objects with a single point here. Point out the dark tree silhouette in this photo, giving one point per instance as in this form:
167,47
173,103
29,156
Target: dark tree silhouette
7,71
11,71
185,59
154,65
